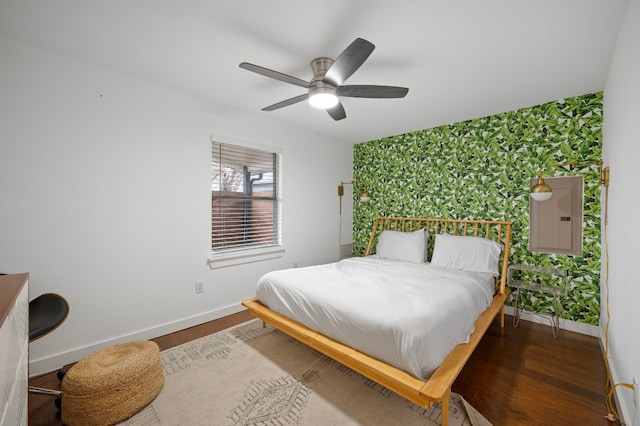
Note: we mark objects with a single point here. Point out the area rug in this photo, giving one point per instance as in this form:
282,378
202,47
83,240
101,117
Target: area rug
250,375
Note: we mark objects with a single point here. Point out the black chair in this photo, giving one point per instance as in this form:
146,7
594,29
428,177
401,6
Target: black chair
46,313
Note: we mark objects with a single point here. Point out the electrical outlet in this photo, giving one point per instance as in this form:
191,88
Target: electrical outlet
636,391
199,286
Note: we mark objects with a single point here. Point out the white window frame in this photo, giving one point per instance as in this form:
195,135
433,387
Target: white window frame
240,255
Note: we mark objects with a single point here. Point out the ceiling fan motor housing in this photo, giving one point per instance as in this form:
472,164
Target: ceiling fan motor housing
321,94
320,66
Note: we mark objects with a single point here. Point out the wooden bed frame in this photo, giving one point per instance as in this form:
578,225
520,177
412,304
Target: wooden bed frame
438,387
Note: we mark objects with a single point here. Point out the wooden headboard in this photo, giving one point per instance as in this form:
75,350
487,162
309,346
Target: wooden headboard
496,230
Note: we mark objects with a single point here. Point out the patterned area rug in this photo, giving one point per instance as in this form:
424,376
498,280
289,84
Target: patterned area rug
250,375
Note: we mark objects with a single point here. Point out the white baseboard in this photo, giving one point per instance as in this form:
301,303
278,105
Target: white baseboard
577,327
54,362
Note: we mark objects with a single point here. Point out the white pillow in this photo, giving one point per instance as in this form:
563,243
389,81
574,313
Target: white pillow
466,253
405,246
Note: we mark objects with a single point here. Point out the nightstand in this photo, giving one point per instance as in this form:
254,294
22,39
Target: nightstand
556,290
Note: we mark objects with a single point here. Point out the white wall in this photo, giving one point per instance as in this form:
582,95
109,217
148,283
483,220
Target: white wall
621,143
105,194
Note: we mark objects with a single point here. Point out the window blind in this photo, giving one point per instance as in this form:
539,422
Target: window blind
244,198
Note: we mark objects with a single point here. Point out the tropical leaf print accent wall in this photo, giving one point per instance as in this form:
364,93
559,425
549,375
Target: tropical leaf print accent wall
480,169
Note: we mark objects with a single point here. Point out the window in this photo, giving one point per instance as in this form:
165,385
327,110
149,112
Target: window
244,200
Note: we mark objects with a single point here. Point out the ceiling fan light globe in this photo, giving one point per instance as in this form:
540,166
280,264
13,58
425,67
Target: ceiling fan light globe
323,100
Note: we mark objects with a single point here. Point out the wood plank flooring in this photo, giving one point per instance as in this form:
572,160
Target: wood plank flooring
516,376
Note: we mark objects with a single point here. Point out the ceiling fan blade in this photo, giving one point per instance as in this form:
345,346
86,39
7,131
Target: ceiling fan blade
287,102
369,91
337,112
274,74
349,61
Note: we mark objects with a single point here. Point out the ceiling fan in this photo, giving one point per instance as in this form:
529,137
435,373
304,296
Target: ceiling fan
326,84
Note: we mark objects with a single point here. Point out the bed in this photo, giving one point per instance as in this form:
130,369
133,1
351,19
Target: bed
405,322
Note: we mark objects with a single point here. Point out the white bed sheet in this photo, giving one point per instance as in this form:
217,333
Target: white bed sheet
408,315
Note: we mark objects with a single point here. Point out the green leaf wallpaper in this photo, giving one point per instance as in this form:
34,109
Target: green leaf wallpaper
480,169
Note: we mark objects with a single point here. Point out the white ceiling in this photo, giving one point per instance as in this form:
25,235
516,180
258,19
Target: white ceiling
460,59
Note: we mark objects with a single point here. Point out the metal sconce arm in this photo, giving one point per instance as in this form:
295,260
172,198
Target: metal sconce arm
541,191
604,171
364,195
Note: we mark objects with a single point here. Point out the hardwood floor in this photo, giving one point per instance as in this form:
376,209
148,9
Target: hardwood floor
516,376
523,376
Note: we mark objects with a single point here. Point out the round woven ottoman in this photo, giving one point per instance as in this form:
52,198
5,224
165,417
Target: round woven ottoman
112,384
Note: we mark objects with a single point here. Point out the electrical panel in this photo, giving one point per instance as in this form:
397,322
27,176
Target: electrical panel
556,224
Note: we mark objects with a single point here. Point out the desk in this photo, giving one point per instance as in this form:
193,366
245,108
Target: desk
14,347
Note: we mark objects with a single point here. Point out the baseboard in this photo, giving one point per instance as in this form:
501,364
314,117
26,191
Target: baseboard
54,362
569,325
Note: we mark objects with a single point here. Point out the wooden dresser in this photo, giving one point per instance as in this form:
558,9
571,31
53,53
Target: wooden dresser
14,346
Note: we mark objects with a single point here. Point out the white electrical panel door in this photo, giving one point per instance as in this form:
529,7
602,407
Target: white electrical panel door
554,218
556,224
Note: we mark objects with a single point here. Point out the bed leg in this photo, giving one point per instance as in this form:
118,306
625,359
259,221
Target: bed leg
502,316
444,408
264,324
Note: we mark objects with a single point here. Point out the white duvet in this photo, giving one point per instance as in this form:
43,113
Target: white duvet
408,315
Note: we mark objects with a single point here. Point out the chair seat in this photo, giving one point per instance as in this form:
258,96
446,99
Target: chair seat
46,312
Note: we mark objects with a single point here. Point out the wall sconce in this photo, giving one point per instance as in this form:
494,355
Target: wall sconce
364,195
542,192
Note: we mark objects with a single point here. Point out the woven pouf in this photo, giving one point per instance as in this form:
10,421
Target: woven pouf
112,384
